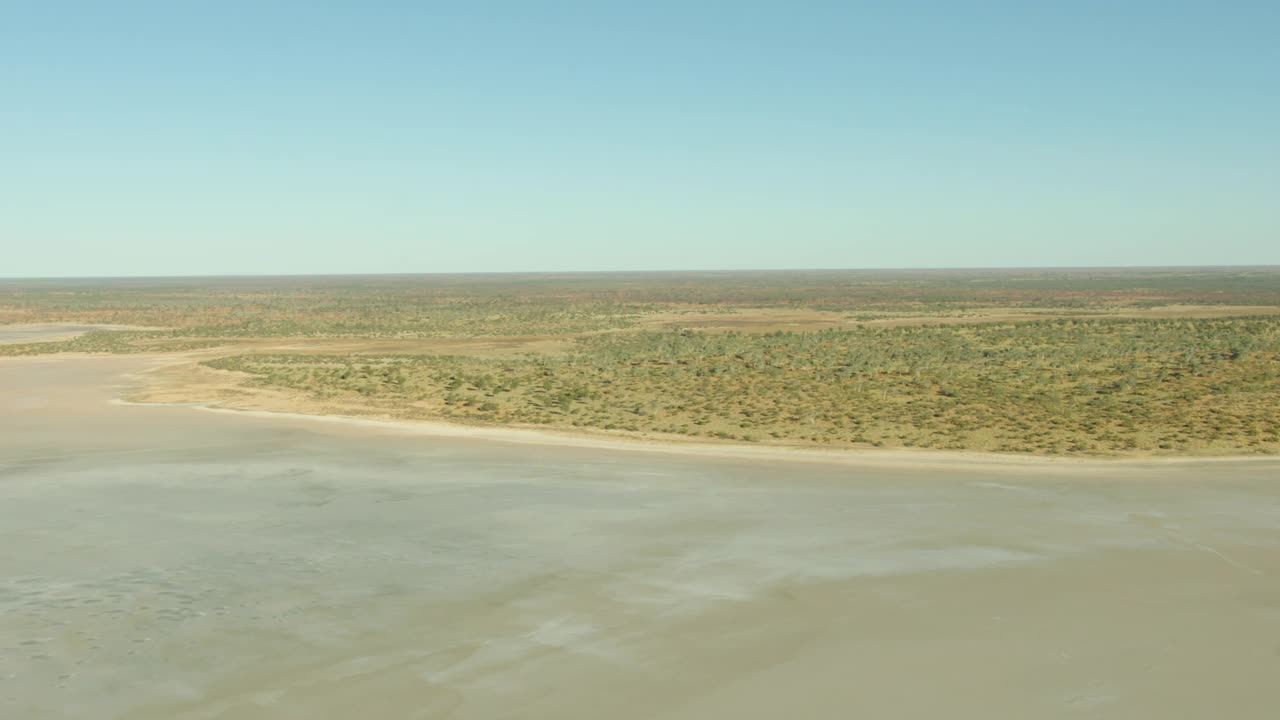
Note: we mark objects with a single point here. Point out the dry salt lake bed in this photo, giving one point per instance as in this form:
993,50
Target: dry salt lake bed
167,562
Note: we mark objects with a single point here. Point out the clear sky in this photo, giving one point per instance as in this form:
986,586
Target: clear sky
279,136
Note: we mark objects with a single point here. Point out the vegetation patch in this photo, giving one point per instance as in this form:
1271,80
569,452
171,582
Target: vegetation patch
1029,361
1076,386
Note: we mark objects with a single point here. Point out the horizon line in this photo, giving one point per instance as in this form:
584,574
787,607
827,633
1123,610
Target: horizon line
968,268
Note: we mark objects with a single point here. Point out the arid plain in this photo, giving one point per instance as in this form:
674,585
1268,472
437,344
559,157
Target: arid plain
181,561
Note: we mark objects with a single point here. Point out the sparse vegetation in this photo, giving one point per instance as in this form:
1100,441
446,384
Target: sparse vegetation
537,304
1085,379
1095,386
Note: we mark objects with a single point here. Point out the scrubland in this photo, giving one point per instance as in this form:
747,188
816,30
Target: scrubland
1047,362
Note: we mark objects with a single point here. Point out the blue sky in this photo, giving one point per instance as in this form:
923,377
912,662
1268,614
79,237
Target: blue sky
152,138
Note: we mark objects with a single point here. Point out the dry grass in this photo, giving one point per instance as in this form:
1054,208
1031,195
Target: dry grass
1100,386
1174,361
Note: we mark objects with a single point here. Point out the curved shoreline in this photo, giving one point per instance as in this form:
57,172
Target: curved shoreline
54,332
914,458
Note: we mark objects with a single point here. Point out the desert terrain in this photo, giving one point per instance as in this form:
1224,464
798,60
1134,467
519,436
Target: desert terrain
1174,362
165,561
970,494
639,361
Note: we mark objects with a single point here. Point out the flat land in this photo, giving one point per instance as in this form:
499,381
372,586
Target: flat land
46,332
166,562
1091,362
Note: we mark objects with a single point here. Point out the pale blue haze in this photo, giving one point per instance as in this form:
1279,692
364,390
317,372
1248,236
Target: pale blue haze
310,137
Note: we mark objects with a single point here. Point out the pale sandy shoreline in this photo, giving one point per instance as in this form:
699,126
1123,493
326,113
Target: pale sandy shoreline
905,458
94,326
53,331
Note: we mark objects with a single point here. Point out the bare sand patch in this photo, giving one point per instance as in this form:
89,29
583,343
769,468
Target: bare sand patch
47,332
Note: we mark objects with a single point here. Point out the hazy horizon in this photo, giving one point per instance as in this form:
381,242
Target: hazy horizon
687,271
156,140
